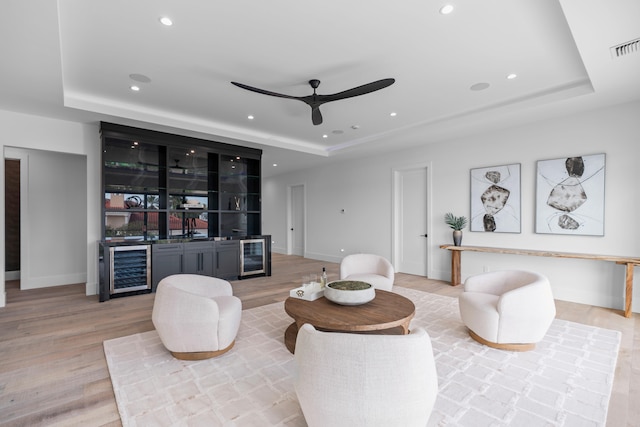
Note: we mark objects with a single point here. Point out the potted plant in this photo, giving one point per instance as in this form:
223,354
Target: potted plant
457,223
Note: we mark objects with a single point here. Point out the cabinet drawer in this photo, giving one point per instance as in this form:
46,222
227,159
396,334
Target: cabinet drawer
172,247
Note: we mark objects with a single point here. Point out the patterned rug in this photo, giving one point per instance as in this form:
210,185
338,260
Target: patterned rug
565,381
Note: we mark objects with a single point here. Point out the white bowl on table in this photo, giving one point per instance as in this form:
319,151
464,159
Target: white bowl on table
349,292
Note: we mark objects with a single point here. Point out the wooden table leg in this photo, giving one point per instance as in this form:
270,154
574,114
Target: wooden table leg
628,292
455,268
290,336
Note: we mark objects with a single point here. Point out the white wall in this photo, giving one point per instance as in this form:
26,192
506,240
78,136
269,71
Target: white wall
38,133
363,188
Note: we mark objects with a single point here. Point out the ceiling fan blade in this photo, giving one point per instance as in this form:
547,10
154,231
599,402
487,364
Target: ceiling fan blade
357,91
264,92
316,116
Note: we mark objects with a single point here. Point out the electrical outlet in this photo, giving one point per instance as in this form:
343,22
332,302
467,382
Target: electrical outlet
486,269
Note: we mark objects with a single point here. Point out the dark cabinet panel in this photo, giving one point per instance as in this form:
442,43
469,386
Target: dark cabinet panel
184,258
228,259
199,258
165,261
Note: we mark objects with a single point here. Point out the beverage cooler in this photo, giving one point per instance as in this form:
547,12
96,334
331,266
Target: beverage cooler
124,270
252,257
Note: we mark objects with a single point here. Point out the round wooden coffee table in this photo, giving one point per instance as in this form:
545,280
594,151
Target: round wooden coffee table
387,313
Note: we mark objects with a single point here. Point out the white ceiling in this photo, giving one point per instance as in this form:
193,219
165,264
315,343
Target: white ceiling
73,59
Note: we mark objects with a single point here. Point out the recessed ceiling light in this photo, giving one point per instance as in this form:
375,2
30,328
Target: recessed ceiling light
512,76
446,9
135,88
250,117
355,127
325,136
166,21
275,164
480,86
393,114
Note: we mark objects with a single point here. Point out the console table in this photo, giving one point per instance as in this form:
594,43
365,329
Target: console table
630,263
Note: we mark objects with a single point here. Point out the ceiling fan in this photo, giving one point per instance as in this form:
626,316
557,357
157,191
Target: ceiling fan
177,168
315,101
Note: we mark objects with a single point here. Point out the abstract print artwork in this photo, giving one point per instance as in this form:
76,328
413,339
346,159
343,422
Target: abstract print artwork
495,199
570,195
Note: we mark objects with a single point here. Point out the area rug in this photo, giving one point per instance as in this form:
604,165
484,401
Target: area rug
565,381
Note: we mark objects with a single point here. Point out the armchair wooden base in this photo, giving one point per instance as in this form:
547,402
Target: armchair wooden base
201,355
509,347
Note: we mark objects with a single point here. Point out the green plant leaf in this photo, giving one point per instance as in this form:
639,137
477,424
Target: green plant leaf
455,222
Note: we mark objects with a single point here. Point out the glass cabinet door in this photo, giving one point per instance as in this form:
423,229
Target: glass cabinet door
239,196
192,194
132,189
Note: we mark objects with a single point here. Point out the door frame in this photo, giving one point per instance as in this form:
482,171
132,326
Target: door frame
396,194
290,218
25,267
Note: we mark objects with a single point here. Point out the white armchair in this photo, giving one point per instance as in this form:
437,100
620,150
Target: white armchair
369,268
363,380
509,309
197,317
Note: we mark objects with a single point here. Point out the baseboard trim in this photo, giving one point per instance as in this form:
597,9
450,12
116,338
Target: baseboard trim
12,275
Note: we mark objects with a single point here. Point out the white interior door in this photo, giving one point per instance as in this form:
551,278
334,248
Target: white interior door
411,221
297,220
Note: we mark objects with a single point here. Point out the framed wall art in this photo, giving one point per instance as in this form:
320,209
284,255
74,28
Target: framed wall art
570,195
495,199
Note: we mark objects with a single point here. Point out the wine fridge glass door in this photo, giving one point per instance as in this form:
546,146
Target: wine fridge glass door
252,257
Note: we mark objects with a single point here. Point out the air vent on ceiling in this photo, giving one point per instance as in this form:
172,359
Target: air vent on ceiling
624,49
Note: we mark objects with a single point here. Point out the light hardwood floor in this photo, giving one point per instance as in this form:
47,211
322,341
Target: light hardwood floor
53,371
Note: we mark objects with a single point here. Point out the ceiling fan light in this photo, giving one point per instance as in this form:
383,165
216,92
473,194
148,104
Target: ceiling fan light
166,21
